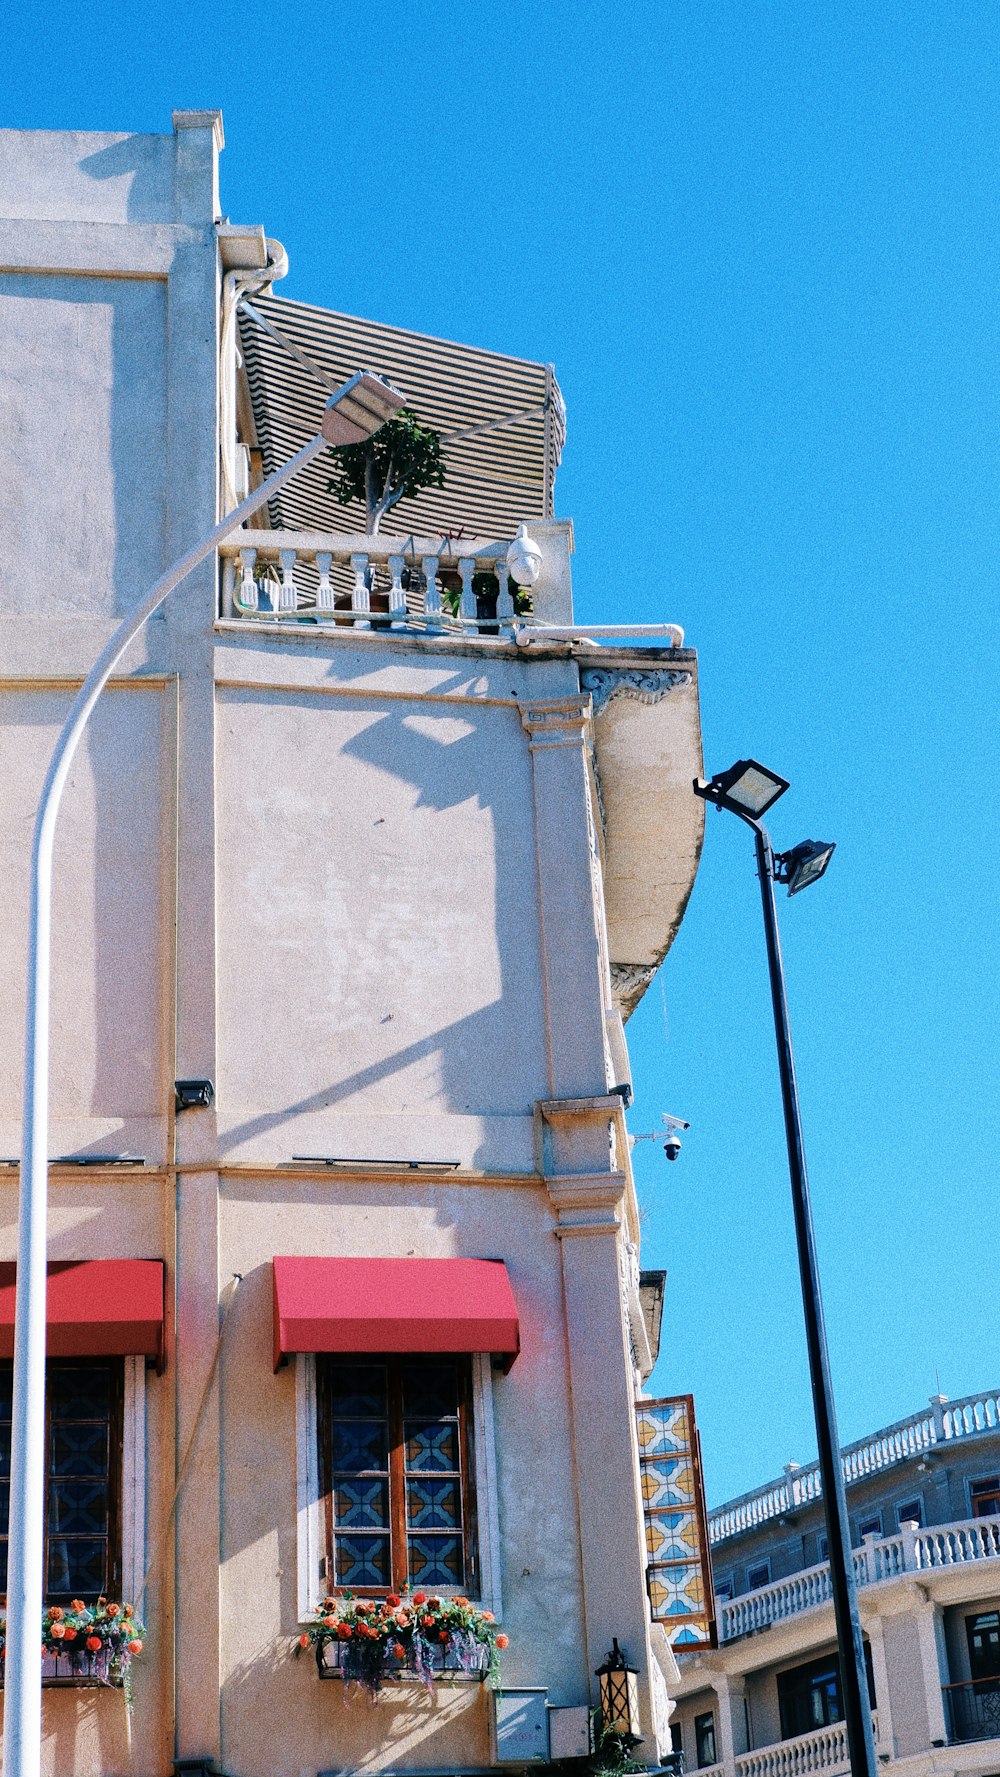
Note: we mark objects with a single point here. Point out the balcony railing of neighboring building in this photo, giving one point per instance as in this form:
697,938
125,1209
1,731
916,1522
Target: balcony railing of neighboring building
943,1422
881,1558
972,1711
825,1749
434,583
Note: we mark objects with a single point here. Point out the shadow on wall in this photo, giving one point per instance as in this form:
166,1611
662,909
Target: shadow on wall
144,165
422,903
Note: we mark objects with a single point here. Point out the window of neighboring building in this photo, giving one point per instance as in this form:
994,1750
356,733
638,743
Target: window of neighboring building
704,1740
757,1576
985,1497
810,1696
676,1742
83,1463
724,1587
871,1526
910,1512
823,1545
396,1472
983,1634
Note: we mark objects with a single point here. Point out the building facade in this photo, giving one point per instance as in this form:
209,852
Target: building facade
356,882
924,1502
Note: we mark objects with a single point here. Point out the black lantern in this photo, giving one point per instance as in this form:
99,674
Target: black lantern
619,1696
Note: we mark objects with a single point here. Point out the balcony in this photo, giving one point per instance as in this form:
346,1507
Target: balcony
944,1423
972,1711
823,1750
441,585
942,1547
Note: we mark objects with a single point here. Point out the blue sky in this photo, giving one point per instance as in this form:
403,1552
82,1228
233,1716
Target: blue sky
761,244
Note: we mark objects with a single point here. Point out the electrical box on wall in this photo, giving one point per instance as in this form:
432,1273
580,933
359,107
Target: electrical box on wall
569,1731
520,1727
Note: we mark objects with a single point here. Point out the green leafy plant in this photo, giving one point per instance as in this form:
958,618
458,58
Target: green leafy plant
402,457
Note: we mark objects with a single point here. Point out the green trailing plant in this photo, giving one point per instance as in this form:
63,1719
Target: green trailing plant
402,457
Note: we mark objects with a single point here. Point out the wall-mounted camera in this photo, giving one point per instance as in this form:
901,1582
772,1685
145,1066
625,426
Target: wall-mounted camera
672,1144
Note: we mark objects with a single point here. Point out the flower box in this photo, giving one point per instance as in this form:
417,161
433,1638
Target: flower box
82,1646
440,1663
368,1641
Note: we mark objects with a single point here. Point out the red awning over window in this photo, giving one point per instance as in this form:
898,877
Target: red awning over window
394,1305
94,1308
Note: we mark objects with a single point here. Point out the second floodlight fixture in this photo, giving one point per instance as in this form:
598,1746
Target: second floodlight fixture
804,864
360,408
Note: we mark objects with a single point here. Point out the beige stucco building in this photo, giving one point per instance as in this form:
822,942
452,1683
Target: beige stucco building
389,875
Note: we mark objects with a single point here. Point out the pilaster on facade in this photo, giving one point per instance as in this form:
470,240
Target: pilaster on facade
572,974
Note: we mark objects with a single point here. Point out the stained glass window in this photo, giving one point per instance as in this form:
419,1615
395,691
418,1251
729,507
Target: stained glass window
82,1460
396,1444
678,1572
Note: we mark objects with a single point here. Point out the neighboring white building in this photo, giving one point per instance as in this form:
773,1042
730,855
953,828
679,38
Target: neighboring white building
389,877
924,1502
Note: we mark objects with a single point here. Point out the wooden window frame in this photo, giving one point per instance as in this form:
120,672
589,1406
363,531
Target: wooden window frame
397,1530
115,1478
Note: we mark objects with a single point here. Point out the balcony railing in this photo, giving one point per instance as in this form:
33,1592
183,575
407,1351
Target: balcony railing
825,1749
944,1422
881,1558
972,1711
436,584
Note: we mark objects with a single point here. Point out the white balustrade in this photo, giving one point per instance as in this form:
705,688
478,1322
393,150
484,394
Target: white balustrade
823,1750
361,582
945,1422
882,1558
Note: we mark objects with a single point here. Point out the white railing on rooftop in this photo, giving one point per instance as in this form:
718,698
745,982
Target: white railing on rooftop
942,1422
881,1558
436,584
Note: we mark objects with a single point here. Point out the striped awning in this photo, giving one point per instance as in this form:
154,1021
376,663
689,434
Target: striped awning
494,479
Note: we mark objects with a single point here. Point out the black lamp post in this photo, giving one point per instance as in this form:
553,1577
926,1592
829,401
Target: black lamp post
749,789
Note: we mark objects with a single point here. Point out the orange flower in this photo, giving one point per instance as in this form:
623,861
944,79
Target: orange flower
399,1650
393,1599
135,1647
56,1614
420,1597
344,1631
69,1634
112,1610
428,1622
488,1617
463,1603
330,1622
93,1643
127,1610
77,1604
57,1631
303,1641
503,1641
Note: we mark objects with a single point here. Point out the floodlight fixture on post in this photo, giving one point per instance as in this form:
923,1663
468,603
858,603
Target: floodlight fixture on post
748,789
353,413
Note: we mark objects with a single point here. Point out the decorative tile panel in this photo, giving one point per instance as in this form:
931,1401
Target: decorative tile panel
679,1570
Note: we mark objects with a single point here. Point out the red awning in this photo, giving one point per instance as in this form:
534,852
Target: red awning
394,1305
94,1308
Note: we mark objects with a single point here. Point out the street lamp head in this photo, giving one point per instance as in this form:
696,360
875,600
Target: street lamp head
747,788
805,863
357,410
